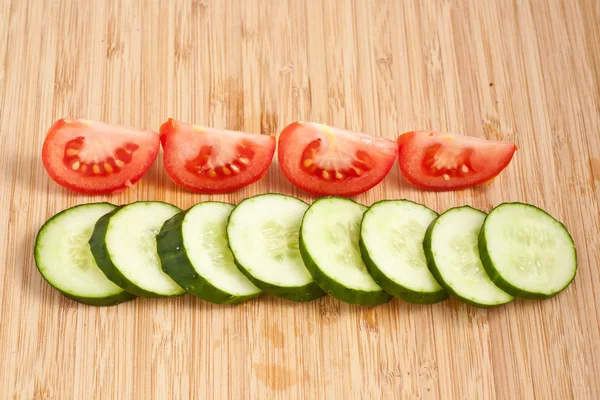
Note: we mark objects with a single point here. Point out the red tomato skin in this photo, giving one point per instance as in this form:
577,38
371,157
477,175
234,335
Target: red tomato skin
167,132
410,164
286,143
57,172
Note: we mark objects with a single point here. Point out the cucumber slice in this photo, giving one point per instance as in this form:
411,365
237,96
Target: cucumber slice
527,252
124,246
329,246
63,257
194,252
263,237
391,244
452,256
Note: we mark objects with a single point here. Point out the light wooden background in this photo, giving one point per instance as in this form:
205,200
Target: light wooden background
525,71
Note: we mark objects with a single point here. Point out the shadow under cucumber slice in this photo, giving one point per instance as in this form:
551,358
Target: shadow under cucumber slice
452,254
124,246
391,244
63,257
263,236
329,246
194,252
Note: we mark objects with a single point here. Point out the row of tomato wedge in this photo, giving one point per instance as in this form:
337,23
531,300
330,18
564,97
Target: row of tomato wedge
96,158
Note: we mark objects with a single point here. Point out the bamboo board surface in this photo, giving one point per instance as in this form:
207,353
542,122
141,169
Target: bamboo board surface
525,71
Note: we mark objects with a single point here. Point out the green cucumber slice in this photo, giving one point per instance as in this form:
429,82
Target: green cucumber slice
391,244
124,246
450,246
527,252
194,252
263,237
329,246
63,257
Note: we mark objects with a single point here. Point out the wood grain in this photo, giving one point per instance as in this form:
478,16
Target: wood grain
526,71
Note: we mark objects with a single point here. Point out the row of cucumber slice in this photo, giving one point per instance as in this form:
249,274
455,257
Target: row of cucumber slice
102,254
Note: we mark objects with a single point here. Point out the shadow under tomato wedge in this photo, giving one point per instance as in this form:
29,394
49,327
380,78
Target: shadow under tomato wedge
208,160
97,158
438,161
328,161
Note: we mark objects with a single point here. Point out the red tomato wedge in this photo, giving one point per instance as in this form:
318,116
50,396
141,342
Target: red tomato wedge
97,158
437,161
207,160
327,161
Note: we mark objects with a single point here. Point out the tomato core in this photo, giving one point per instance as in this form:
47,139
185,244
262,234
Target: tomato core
111,163
206,163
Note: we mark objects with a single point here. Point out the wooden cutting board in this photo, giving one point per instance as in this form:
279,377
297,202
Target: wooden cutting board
524,71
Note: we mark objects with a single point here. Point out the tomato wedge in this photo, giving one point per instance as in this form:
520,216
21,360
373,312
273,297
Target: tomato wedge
207,160
327,161
97,158
438,161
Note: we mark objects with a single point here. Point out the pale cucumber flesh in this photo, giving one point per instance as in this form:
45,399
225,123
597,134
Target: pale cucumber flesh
263,236
131,243
205,241
392,232
532,253
330,233
63,255
454,256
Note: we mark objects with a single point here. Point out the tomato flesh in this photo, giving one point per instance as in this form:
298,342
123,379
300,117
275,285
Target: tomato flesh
437,161
97,158
207,160
327,161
